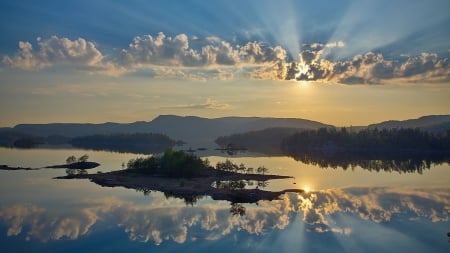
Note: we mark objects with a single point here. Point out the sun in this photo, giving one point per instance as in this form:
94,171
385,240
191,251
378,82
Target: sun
306,188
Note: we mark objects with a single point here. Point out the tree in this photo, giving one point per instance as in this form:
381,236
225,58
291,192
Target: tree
262,184
237,209
242,168
71,159
262,170
83,158
227,166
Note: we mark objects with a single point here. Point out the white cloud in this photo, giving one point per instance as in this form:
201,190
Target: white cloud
212,58
255,52
162,50
368,68
56,51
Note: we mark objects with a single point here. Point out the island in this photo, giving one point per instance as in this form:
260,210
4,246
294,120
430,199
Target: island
72,165
183,175
7,167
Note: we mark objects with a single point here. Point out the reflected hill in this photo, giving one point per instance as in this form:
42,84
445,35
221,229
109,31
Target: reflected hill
142,143
401,150
387,162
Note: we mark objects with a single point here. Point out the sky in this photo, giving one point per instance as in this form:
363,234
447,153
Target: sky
342,62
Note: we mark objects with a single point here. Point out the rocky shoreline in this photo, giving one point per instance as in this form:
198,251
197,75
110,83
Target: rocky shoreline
188,187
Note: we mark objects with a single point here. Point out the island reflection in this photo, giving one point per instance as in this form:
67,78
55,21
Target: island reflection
168,219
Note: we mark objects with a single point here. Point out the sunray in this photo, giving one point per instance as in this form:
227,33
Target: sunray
362,31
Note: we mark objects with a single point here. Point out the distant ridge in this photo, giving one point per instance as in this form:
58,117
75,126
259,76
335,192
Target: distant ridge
203,131
432,123
192,129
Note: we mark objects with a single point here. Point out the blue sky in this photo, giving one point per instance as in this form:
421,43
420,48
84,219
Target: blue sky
77,50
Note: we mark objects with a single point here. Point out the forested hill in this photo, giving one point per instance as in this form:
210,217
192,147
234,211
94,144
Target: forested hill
145,143
430,123
276,141
267,141
367,140
190,129
203,131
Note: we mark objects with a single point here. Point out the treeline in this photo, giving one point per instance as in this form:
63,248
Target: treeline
366,140
145,143
134,143
229,166
16,139
266,141
181,164
393,150
170,164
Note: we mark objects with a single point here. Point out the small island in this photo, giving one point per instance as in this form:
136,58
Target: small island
183,175
72,164
7,167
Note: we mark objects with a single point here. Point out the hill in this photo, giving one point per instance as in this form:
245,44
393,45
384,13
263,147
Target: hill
202,132
432,123
266,141
193,130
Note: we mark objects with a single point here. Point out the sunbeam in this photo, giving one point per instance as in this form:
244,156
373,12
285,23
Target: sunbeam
362,31
280,25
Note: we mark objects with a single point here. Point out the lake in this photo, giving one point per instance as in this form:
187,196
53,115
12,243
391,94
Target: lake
357,209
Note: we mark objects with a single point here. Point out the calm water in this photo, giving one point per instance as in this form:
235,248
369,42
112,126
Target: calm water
353,210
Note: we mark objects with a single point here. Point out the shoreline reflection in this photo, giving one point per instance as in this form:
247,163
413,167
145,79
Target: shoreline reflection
387,162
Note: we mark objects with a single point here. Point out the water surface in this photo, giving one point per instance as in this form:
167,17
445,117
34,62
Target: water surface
352,210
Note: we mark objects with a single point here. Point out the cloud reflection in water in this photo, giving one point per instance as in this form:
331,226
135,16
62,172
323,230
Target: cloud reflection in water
164,221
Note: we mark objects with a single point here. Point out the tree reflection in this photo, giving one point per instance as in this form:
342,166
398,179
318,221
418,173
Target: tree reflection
388,162
75,172
232,185
262,184
146,191
189,199
237,209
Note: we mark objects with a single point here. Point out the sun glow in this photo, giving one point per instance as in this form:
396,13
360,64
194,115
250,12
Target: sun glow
306,188
303,70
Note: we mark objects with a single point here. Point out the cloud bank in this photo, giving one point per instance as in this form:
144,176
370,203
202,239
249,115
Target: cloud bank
368,68
210,58
56,52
